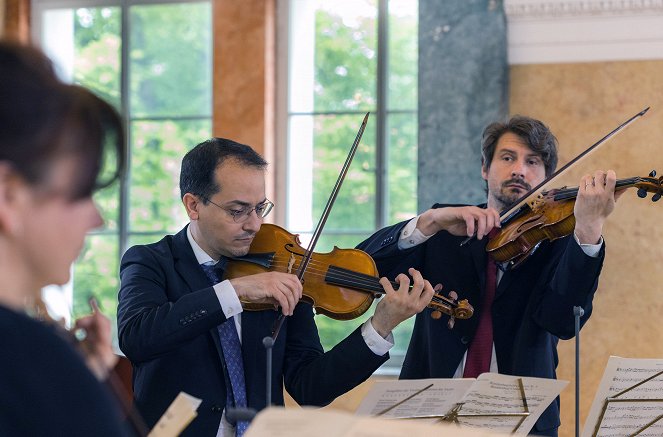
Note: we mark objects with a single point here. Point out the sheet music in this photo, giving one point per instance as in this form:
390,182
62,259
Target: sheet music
178,415
306,422
490,394
432,402
493,393
626,418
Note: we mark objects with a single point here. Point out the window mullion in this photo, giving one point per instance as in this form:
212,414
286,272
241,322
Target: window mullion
123,219
381,139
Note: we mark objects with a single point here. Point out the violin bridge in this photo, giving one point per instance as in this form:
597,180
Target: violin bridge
291,263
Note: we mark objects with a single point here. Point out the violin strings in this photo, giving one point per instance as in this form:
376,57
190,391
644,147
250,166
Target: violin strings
569,193
362,281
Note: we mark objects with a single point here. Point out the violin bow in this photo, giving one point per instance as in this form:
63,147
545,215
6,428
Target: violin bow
323,219
505,216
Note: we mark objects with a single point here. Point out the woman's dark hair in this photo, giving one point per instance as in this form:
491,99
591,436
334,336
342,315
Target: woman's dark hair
534,133
43,119
200,163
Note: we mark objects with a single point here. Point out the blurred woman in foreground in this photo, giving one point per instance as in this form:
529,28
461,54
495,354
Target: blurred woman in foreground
54,139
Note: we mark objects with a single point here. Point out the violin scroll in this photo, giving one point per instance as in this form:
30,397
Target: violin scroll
650,185
451,306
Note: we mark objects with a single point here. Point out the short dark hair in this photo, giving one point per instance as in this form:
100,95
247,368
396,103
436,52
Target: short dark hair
43,119
534,133
200,163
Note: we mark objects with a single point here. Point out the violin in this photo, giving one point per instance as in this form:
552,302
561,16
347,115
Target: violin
76,337
549,216
341,284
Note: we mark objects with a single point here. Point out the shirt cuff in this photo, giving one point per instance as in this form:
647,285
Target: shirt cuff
228,298
411,236
378,345
591,250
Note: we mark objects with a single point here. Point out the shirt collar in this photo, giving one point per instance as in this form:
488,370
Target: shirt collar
201,256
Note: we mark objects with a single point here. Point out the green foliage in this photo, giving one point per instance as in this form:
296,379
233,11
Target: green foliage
170,79
346,80
402,61
355,206
170,106
157,150
345,61
97,51
170,60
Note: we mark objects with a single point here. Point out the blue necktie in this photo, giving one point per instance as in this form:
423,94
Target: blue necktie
232,353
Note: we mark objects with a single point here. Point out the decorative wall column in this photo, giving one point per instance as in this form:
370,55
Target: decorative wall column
15,20
244,74
463,86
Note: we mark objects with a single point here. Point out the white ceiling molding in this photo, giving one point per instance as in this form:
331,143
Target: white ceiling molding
547,31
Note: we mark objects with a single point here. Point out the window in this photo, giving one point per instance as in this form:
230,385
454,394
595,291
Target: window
153,60
346,58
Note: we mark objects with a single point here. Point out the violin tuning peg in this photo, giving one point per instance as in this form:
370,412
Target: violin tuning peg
451,322
652,173
642,193
436,315
656,197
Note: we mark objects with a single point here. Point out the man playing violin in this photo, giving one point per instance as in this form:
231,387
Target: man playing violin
181,325
517,324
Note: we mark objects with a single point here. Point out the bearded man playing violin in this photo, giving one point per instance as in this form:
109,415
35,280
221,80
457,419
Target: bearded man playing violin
181,325
517,324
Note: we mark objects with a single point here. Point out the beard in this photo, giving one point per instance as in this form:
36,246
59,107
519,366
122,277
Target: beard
508,195
242,250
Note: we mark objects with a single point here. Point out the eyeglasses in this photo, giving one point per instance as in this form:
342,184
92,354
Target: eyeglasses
241,215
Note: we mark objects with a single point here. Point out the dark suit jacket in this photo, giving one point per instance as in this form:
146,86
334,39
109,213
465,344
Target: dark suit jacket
533,305
167,319
46,389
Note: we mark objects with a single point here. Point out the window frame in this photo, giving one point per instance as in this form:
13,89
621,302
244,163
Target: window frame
379,119
123,233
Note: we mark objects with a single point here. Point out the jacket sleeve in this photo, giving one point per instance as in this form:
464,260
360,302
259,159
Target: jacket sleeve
316,378
573,283
382,246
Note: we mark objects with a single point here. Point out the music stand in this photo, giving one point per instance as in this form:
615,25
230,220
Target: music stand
617,399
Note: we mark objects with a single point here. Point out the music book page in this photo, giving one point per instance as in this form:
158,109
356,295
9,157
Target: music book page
178,415
306,422
494,401
626,416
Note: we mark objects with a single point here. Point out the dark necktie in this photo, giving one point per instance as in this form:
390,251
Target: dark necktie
481,349
232,353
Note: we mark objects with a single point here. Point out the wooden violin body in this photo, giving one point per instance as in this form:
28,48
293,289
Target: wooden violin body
549,216
341,284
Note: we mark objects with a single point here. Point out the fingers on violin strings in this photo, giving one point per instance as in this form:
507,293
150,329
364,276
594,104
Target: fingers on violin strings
386,284
481,225
470,224
610,180
418,280
496,221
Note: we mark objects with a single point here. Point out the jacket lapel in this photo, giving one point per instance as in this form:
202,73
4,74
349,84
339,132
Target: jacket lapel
186,265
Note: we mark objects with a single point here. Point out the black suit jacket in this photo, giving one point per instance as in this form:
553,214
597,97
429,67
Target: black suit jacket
46,389
167,321
533,305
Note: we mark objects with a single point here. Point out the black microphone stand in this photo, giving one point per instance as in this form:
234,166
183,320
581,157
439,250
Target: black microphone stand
577,313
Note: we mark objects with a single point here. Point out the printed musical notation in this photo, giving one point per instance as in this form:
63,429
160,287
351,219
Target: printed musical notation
629,400
501,403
